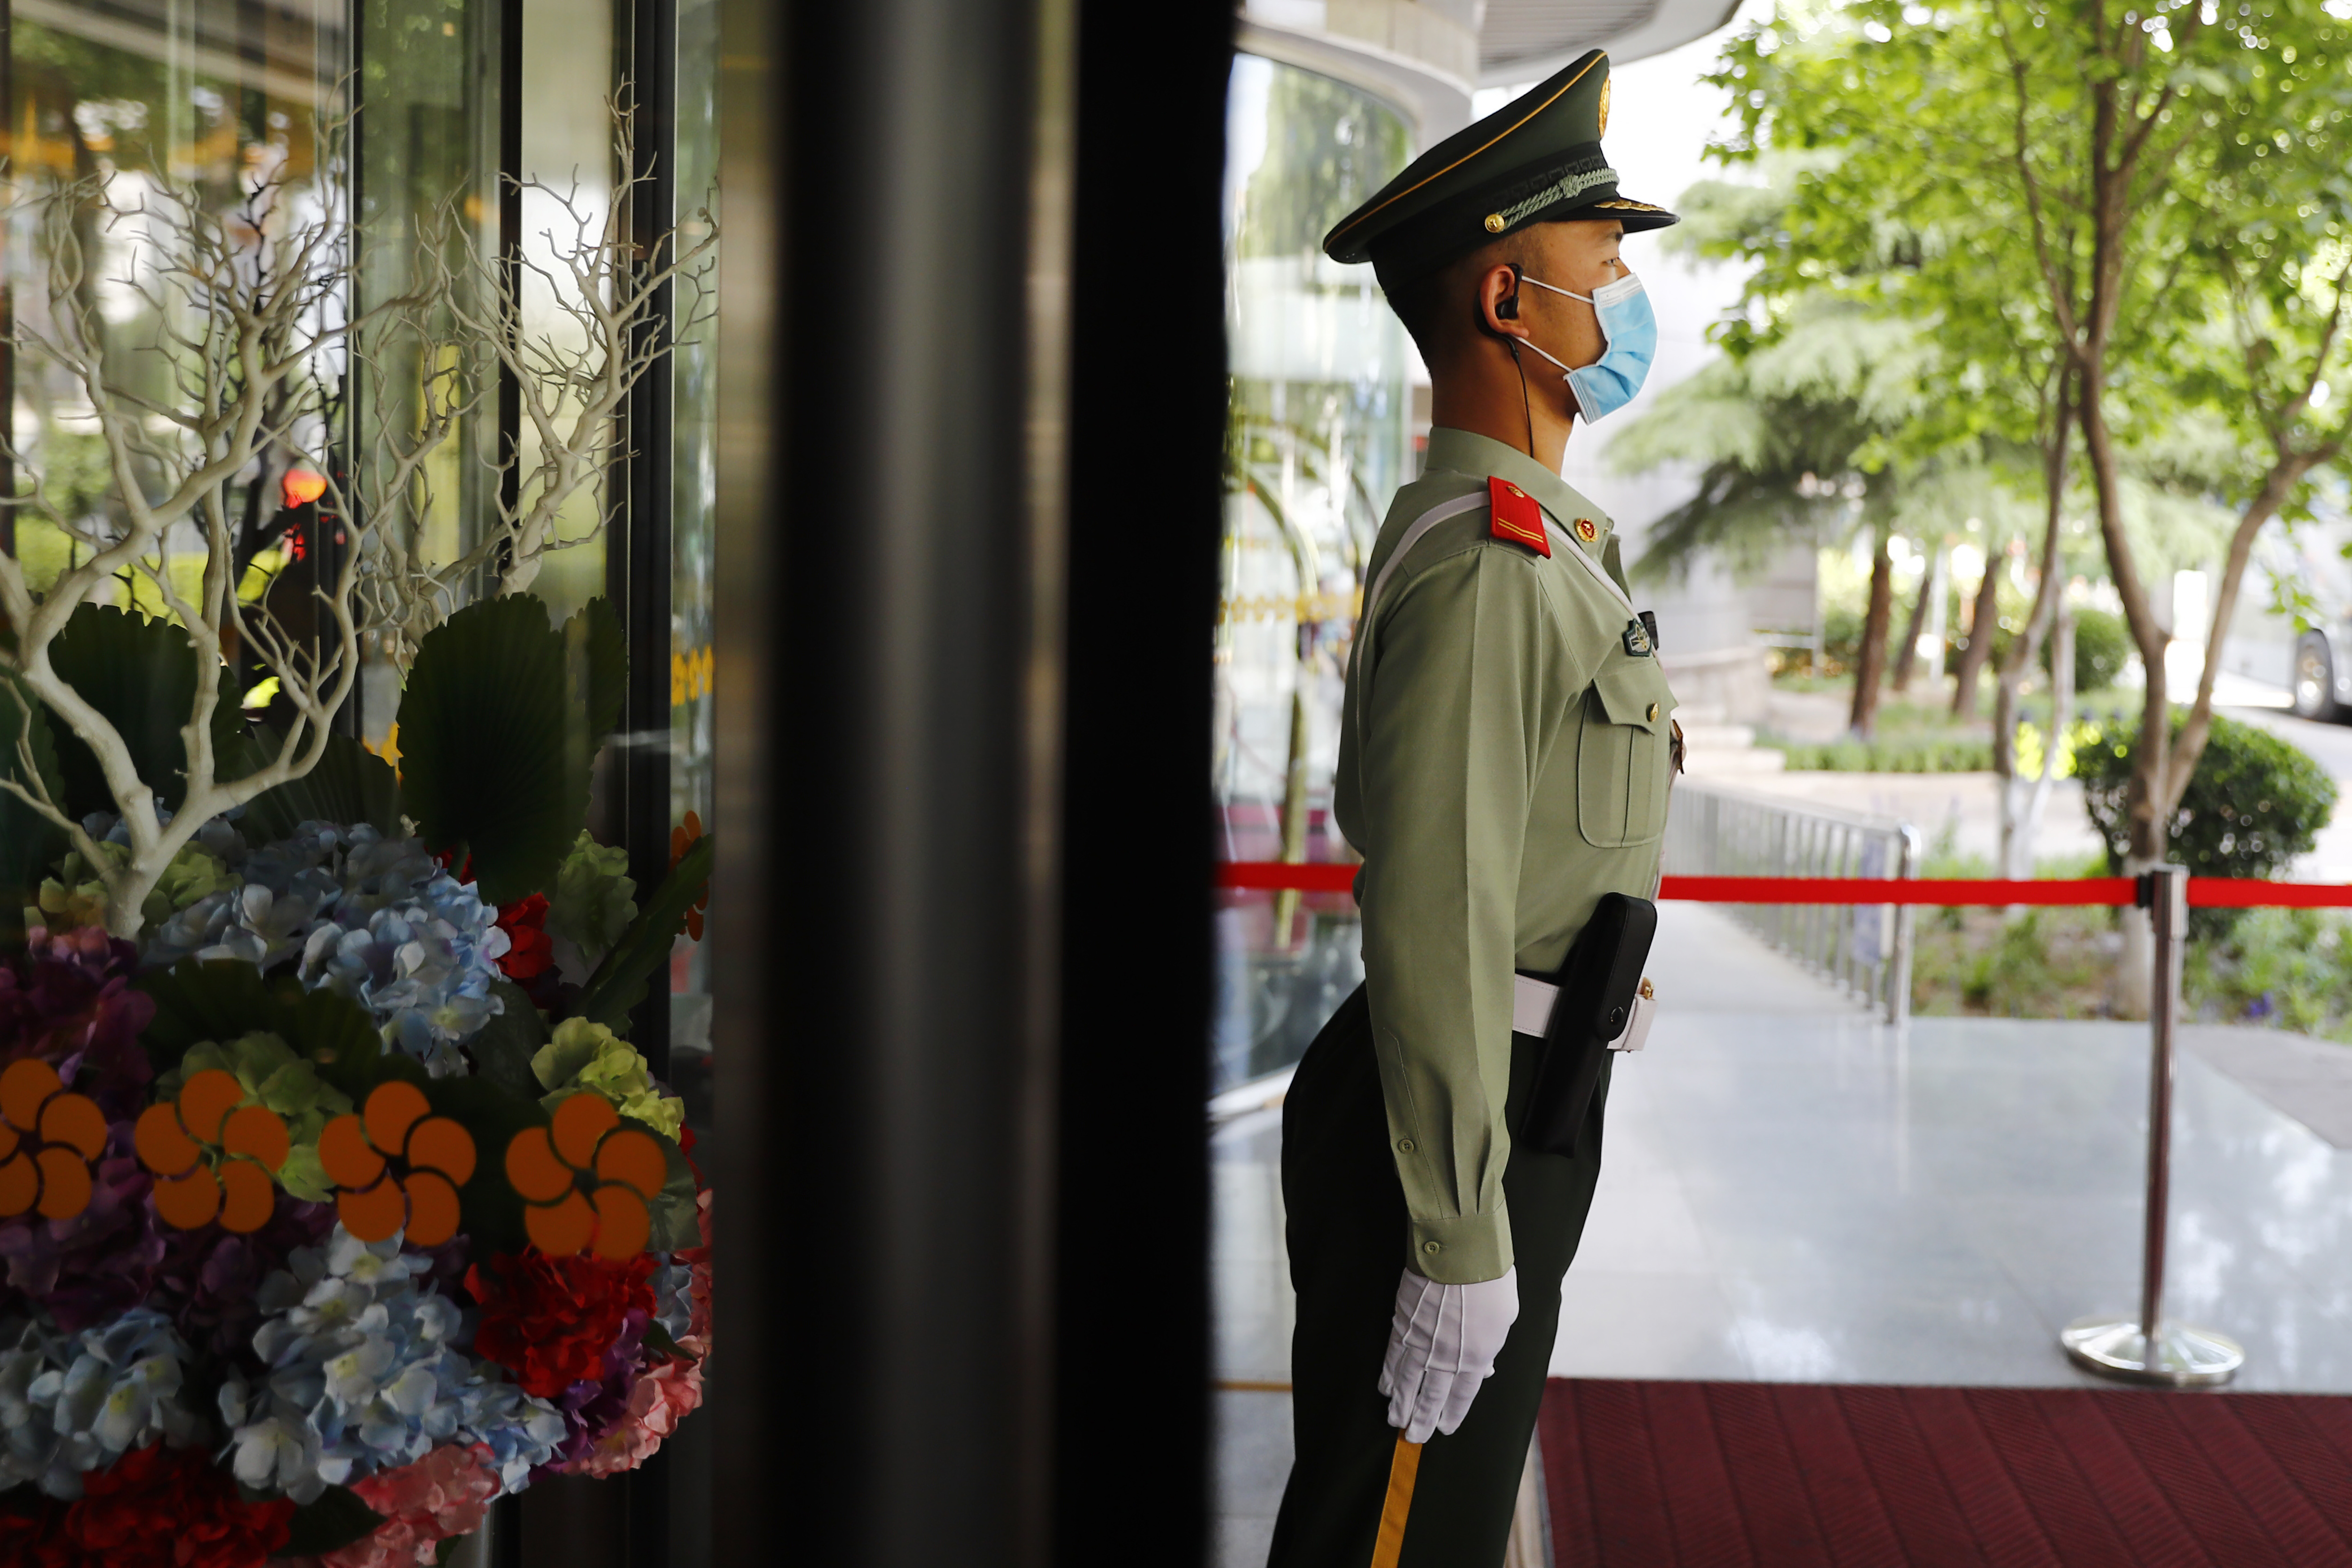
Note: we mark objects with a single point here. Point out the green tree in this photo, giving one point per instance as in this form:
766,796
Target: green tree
2118,196
1833,412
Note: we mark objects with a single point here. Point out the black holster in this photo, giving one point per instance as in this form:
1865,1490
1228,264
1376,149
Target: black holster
1597,983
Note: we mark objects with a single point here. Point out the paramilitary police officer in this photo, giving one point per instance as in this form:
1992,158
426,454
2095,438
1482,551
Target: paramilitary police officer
1504,761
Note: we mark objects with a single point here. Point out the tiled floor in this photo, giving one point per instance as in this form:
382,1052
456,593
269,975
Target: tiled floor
1791,1192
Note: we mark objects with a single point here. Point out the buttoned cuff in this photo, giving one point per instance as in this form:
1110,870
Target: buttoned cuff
1460,1252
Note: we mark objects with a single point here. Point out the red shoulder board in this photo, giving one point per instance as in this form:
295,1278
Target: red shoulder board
1518,518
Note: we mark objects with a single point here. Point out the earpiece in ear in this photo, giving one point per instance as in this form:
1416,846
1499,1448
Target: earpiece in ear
1506,309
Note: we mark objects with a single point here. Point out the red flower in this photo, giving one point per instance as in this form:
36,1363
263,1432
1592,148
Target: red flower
682,838
529,950
156,1507
548,1321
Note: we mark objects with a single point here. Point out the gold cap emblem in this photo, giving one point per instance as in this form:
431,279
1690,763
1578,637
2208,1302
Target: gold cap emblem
1585,530
1604,127
1494,223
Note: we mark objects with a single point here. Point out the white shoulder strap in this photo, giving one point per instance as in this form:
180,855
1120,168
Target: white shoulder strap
1419,526
1599,573
1412,535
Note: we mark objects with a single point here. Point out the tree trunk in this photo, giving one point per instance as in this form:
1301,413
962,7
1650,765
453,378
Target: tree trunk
1984,621
1907,653
1872,667
2277,485
2146,814
2017,826
2062,718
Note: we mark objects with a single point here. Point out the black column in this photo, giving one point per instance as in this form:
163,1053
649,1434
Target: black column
1148,403
961,922
888,653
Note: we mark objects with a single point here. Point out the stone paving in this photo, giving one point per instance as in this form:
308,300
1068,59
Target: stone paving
1794,1191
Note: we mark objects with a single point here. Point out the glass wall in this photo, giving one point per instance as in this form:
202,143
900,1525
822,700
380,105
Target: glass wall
212,103
1316,443
694,477
400,121
425,195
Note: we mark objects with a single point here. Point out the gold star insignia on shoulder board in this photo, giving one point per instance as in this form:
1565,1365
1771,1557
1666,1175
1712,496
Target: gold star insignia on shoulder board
1586,530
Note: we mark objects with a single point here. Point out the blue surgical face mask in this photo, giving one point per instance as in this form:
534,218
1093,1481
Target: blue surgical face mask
1631,330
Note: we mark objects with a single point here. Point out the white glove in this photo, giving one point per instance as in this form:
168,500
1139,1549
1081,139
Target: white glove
1442,1345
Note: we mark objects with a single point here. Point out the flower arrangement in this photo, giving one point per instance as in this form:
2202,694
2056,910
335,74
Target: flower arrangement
334,1202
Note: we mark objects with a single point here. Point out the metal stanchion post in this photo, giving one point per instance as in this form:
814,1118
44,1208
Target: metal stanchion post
2148,1349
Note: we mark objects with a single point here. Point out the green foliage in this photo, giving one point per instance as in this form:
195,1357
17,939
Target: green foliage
593,899
2281,968
1893,754
225,999
141,675
497,733
503,1046
596,669
1328,147
673,1209
273,1073
619,982
2102,645
350,784
2046,963
2254,802
585,1057
29,842
1798,439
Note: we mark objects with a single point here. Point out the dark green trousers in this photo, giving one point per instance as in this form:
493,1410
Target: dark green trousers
1347,1236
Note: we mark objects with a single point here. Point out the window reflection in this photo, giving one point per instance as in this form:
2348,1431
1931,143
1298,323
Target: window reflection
1316,443
214,101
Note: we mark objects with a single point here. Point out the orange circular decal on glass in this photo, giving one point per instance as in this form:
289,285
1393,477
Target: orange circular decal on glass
212,1155
49,1138
586,1180
397,1167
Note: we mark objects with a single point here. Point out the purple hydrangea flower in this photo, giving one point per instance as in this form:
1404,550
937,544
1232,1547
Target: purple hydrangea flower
67,999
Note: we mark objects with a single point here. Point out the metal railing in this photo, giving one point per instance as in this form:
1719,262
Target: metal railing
1863,949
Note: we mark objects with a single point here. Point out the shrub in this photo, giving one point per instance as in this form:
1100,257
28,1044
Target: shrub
2255,801
2102,645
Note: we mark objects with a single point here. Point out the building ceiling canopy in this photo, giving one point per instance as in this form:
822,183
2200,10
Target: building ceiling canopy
1525,41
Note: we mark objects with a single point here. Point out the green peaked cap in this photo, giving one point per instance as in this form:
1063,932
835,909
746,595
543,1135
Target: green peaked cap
1535,159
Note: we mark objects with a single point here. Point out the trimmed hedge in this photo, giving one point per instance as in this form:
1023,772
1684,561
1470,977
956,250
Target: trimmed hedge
2255,801
1925,755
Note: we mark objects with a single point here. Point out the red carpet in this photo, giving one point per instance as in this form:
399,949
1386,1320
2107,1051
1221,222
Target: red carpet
1711,1475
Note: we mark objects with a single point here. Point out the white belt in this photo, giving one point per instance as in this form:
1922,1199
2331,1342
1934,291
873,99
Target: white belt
1532,1001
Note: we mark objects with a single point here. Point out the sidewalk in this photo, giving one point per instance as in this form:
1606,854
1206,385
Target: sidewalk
1793,1192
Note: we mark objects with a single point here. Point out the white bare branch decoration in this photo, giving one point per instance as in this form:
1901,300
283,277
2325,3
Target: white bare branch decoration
258,340
615,305
251,331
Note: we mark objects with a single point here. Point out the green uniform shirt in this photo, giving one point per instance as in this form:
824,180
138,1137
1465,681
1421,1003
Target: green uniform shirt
1504,760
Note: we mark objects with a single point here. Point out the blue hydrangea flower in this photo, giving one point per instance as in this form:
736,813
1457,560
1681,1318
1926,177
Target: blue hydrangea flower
423,968
74,1403
372,917
366,1370
521,1432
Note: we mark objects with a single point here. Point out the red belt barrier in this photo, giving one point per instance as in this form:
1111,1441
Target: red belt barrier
1889,890
2204,892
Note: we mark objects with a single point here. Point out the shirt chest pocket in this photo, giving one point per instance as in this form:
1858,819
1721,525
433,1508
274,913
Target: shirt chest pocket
1623,756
